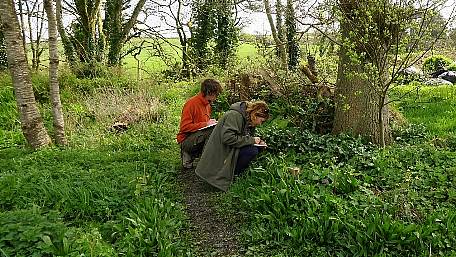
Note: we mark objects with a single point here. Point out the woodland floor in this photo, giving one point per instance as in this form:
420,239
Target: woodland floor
212,234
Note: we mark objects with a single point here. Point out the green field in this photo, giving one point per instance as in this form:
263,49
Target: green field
435,107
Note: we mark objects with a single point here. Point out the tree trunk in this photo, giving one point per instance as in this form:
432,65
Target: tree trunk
118,30
57,113
85,40
292,43
31,121
101,40
67,45
183,40
21,15
357,101
279,44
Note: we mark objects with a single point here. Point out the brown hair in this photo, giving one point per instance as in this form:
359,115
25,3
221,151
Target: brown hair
211,87
257,109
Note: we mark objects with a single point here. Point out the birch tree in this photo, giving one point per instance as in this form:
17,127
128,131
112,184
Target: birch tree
57,112
31,121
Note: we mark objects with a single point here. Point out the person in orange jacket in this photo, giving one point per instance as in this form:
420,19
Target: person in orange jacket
196,124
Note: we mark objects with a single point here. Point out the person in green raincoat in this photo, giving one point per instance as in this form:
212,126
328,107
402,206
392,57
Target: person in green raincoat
232,144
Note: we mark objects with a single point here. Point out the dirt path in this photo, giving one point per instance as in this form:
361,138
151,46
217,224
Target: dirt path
212,234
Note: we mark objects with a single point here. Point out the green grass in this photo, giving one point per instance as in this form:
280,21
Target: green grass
149,62
435,107
119,192
149,58
247,50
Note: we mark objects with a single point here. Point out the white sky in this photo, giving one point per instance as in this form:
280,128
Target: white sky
259,24
254,22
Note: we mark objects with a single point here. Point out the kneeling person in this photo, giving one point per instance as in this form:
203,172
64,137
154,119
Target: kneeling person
196,115
232,144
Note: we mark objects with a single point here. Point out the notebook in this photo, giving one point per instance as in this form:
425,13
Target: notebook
208,126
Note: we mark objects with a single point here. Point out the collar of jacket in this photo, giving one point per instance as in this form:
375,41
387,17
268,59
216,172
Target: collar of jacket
202,99
241,108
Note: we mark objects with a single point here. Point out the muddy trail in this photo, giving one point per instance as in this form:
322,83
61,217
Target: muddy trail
212,234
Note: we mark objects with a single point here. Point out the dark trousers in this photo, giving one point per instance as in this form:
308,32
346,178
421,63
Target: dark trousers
194,143
246,155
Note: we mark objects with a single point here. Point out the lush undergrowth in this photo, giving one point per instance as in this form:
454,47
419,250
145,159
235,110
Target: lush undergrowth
312,195
112,193
348,199
95,202
108,193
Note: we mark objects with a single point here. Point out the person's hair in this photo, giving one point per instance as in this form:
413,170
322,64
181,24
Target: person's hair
257,109
211,87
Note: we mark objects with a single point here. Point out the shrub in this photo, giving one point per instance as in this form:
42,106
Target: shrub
288,95
435,62
91,69
72,83
410,133
40,83
221,104
452,66
330,149
247,38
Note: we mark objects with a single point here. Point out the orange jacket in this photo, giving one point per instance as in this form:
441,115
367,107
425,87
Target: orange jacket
195,115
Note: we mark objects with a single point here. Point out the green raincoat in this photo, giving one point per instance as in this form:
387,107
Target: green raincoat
218,161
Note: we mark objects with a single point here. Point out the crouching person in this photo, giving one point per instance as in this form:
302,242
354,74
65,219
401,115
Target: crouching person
196,116
232,144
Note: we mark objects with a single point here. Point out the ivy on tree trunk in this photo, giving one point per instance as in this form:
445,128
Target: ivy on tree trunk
226,36
292,44
202,31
